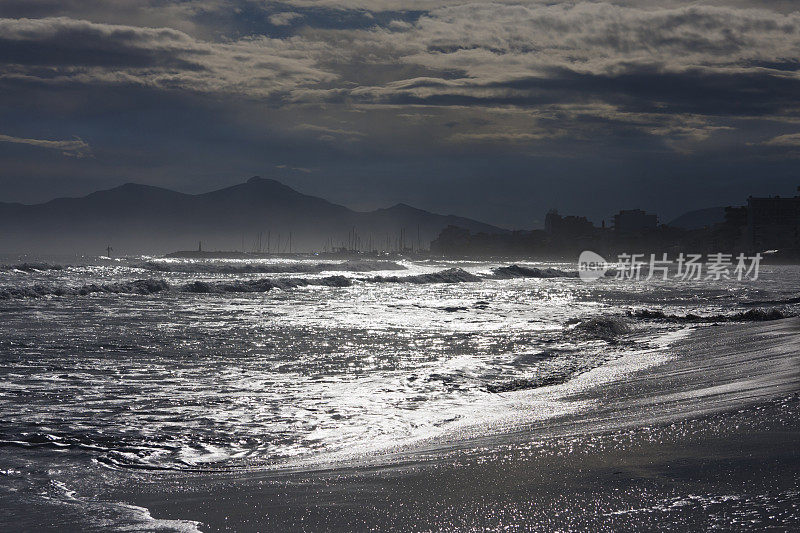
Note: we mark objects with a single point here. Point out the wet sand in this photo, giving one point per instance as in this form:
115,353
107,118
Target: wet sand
706,439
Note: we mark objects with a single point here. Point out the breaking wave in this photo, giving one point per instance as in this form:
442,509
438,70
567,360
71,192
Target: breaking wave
609,329
151,286
785,301
141,286
557,366
523,384
30,267
451,275
753,315
552,368
264,285
604,327
519,271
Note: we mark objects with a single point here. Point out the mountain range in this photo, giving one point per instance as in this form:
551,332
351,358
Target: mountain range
136,219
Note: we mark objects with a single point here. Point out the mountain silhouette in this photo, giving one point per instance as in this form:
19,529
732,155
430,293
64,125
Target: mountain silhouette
134,218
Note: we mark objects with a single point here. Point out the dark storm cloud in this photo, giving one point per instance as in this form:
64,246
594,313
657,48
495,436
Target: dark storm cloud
68,43
77,51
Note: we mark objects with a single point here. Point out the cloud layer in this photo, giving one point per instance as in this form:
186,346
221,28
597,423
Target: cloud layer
383,80
702,61
64,50
73,148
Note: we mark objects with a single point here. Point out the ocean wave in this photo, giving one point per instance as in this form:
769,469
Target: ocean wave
603,327
264,284
270,268
752,315
129,452
785,301
30,267
523,384
141,286
553,367
579,353
519,271
451,275
151,286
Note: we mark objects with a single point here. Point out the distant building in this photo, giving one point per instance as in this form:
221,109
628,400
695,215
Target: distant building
451,241
569,226
633,221
773,223
735,216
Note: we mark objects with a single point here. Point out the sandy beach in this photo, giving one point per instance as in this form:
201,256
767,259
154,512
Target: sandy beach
705,439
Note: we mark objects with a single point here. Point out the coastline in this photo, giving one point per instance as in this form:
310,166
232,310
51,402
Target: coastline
706,438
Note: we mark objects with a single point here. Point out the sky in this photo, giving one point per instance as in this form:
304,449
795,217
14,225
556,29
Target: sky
496,111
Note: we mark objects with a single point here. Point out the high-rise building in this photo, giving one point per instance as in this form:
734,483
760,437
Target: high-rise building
773,223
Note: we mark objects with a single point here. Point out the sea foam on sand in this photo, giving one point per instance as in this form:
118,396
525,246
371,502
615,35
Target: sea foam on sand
701,434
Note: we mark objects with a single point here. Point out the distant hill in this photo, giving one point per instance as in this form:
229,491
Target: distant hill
136,218
699,218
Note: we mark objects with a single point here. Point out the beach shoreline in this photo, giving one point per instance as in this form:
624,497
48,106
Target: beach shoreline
706,438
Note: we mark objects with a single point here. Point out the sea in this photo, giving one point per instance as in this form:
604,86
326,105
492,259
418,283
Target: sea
112,368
